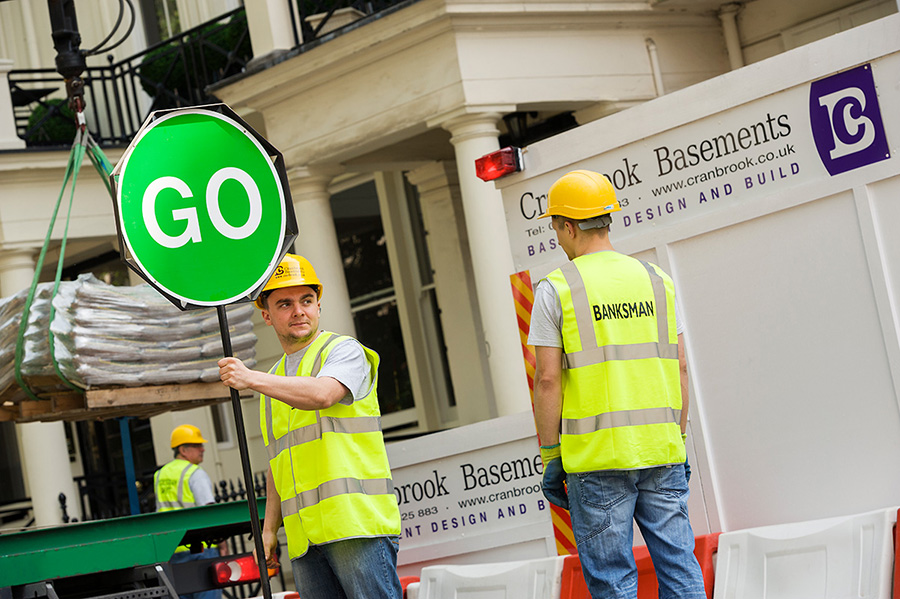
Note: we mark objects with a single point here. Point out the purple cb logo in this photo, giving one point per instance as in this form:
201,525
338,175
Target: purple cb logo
846,120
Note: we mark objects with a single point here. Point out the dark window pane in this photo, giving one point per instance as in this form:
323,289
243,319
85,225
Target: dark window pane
379,329
415,214
445,365
103,487
357,220
12,487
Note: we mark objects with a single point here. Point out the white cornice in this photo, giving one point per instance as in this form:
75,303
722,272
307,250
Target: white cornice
24,162
428,19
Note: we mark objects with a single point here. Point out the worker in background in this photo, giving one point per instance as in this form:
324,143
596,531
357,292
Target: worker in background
183,483
609,383
329,480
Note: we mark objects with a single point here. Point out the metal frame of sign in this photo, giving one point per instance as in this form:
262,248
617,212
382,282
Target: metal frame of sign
290,220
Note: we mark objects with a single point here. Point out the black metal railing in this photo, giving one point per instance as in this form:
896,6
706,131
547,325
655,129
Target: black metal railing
314,19
171,74
118,97
103,496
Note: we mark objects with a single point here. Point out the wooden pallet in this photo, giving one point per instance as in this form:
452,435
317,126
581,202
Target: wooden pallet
60,403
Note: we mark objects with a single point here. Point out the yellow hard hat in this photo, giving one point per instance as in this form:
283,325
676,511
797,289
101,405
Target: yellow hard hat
293,271
186,433
581,195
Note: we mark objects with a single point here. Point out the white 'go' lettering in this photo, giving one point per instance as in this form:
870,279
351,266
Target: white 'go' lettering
191,232
192,229
212,203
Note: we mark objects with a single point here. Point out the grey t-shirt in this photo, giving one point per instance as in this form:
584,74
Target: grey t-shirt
346,363
546,317
202,487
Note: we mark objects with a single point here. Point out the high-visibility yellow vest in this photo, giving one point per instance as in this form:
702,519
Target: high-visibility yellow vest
330,466
170,483
621,378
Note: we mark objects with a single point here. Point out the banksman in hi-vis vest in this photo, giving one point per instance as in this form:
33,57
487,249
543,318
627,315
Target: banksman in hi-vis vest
610,399
329,481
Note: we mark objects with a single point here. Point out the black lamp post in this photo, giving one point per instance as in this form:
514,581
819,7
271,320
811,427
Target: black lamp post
70,59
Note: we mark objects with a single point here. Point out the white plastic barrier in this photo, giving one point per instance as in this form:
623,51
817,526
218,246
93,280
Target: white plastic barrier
528,579
834,558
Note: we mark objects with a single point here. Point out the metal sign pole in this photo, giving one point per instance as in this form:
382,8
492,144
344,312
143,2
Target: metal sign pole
245,462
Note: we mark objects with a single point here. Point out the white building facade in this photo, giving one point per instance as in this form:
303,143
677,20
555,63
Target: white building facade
380,124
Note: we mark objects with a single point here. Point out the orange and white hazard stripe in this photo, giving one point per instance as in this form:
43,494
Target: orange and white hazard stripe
523,295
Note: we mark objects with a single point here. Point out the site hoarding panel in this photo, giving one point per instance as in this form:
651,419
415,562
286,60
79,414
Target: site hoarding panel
735,156
472,490
783,253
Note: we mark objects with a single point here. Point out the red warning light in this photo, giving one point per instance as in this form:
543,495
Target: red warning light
234,571
497,164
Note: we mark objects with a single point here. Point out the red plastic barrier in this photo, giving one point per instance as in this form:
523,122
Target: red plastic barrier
574,586
406,581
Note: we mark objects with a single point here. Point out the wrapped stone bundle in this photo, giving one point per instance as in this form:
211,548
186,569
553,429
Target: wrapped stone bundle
106,335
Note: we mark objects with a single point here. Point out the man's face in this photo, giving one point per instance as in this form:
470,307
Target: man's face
193,452
294,314
563,236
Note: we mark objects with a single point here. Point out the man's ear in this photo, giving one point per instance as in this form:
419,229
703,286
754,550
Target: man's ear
265,317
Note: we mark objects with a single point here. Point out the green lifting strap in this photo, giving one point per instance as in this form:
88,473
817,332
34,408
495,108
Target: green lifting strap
83,144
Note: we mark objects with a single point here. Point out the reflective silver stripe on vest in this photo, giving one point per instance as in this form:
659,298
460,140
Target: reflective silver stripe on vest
635,351
176,504
181,489
581,426
333,488
583,317
327,424
270,446
317,364
274,446
662,306
156,489
592,353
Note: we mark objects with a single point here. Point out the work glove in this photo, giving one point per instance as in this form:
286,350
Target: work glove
554,482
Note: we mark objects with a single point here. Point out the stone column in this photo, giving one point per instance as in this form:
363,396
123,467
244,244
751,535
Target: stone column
454,285
728,15
473,136
16,270
8,138
318,243
43,444
269,22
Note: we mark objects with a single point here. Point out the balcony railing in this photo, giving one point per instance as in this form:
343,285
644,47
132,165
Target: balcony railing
118,97
313,20
172,74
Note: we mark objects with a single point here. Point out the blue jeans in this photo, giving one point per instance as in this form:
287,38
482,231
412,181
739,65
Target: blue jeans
602,506
351,569
186,556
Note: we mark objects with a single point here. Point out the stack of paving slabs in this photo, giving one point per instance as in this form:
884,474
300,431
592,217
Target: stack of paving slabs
105,335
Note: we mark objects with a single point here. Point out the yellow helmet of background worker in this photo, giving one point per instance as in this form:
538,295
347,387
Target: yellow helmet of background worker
293,271
186,433
581,195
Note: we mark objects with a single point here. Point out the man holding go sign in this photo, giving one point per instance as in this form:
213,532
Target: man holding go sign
329,481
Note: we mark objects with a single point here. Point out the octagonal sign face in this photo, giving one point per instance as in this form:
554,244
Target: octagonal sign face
201,207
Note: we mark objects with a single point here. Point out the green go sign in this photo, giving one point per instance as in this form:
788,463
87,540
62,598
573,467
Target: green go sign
202,206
